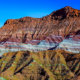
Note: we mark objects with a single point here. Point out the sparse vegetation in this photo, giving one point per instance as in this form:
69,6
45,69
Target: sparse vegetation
43,65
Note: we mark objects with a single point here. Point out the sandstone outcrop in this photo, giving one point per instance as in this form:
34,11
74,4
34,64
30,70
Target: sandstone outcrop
59,23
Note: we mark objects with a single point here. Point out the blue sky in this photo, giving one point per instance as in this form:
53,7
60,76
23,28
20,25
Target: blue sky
13,9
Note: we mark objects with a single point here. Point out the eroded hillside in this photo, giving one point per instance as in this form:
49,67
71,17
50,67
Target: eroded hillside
59,23
44,65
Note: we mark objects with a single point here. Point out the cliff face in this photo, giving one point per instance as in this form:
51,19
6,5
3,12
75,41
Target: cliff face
59,23
44,65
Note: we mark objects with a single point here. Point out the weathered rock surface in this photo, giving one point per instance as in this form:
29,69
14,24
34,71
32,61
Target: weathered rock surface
59,29
59,23
44,65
